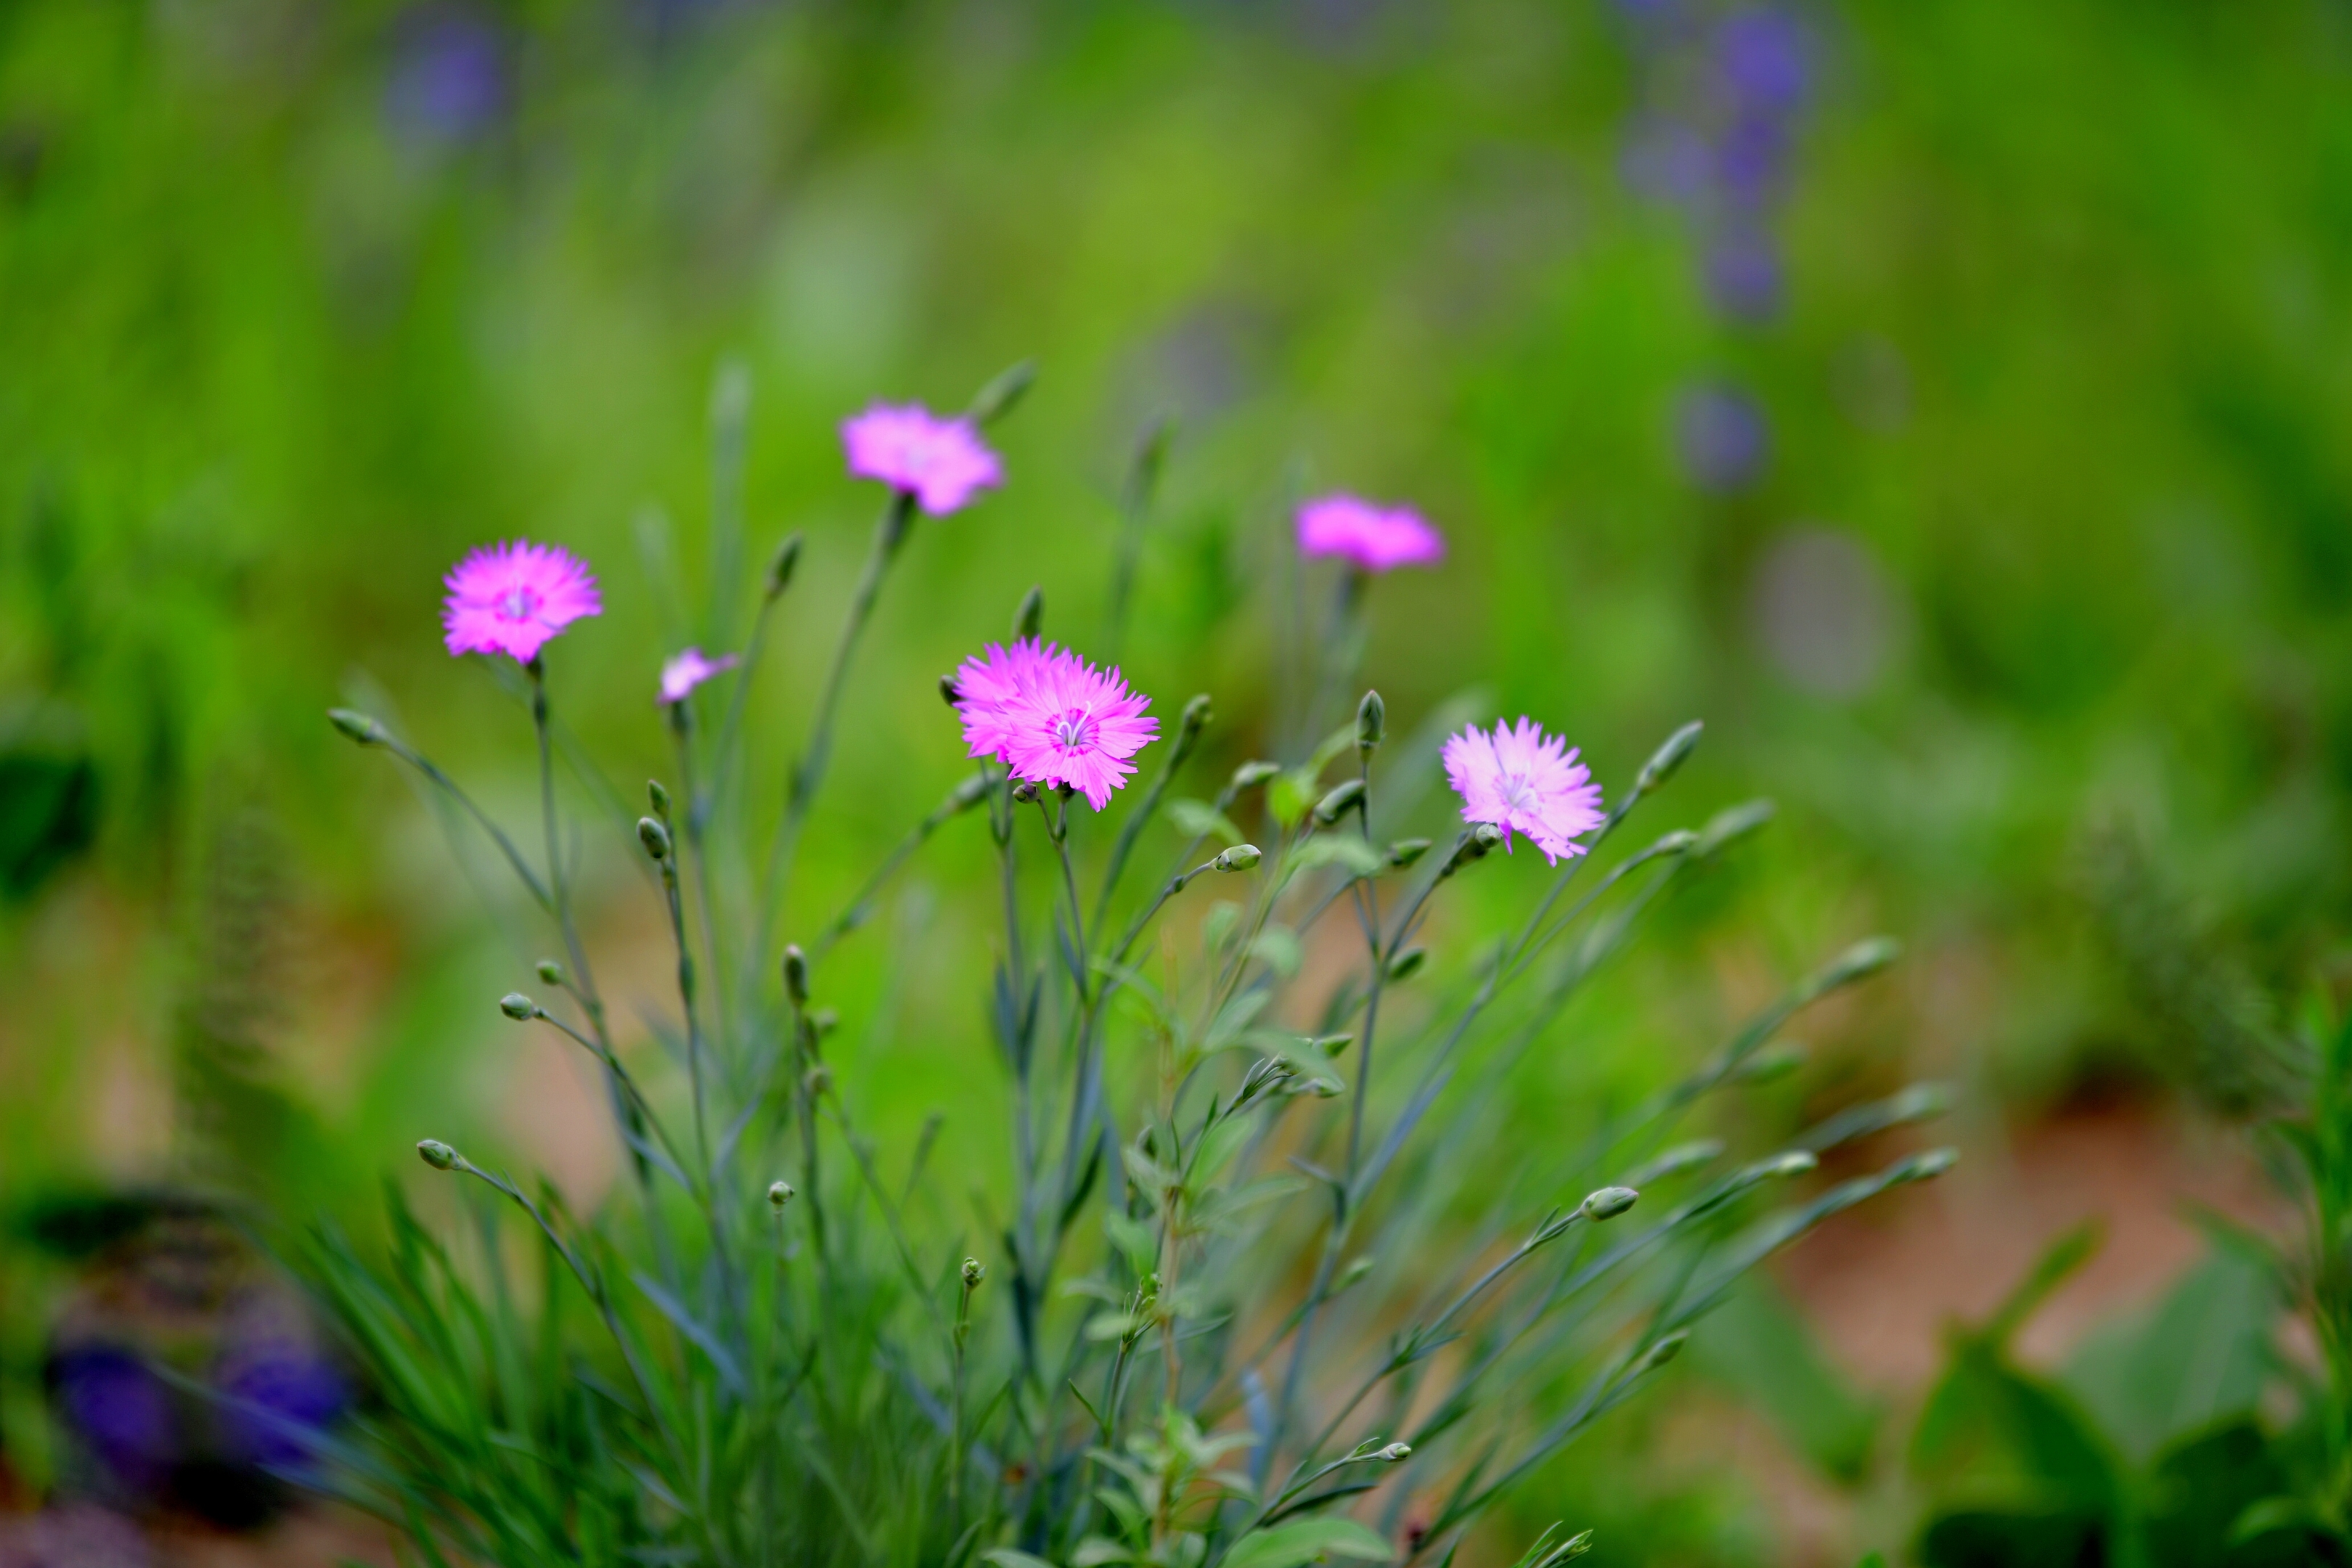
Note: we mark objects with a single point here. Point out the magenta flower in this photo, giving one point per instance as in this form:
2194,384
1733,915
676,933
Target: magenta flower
1052,718
1373,537
511,598
690,669
1524,780
939,462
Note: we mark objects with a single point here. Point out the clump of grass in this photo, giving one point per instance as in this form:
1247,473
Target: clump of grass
1258,1297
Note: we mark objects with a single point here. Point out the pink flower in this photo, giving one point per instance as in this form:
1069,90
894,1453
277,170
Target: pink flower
511,598
1373,537
1522,780
690,669
1053,717
940,462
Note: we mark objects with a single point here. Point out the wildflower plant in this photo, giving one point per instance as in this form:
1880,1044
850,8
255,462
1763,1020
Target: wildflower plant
1246,1294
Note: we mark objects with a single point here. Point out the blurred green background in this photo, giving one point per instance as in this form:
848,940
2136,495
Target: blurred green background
1945,399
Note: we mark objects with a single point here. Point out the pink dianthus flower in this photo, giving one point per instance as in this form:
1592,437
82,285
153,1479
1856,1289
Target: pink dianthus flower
1052,718
1374,538
511,598
1524,780
689,670
939,462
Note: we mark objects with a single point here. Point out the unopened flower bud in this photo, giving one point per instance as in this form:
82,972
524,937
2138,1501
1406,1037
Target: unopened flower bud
1866,957
782,563
549,972
1196,716
659,797
654,836
1609,1203
1029,619
1927,1166
818,1081
1406,965
357,725
1025,792
1371,723
780,1193
796,975
1340,802
1668,757
1251,775
1406,851
824,1022
1485,836
973,1273
1240,858
437,1154
1664,1350
1333,1045
1358,1267
950,691
518,1007
997,399
1395,1452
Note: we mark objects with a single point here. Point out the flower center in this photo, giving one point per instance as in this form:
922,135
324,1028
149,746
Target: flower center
1075,730
517,603
1518,792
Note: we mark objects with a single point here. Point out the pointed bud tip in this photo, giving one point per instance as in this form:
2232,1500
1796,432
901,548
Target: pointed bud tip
782,566
1029,619
1668,757
659,796
516,1005
356,725
1372,721
435,1153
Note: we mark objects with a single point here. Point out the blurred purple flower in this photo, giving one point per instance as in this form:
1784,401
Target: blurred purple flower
690,669
1762,58
449,76
942,463
1752,161
1721,436
121,1410
1743,275
1373,537
285,1390
1667,160
511,598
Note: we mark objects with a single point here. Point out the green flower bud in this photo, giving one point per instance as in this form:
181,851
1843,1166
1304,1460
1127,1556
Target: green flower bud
1865,958
780,1193
1668,757
796,975
997,398
1358,1267
518,1007
782,566
1609,1203
1406,965
549,972
973,1273
1025,792
1251,775
1371,723
824,1022
659,796
1664,1350
1196,716
1927,1166
1340,801
1240,858
1030,618
818,1081
1406,851
437,1154
1333,1045
654,836
358,726
950,692
1395,1453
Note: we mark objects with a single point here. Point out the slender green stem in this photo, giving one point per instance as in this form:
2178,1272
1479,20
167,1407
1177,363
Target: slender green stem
808,774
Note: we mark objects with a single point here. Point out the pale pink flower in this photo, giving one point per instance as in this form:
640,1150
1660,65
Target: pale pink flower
1052,718
1374,538
939,462
1524,780
511,598
690,669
